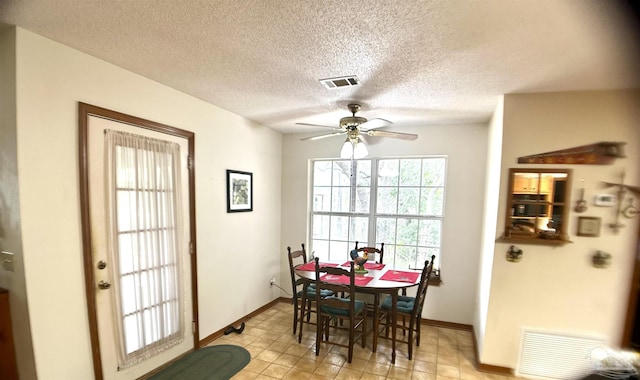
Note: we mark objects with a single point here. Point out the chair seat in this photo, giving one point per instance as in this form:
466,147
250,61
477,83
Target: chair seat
359,305
311,293
405,304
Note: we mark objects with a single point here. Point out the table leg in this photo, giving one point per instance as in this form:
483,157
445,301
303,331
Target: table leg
376,322
394,321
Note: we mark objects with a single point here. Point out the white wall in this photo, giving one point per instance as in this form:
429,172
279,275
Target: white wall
236,252
556,288
465,146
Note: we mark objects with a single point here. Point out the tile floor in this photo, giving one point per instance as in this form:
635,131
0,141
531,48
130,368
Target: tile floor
276,354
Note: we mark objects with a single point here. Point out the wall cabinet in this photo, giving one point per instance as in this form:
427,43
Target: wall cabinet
8,369
533,184
537,206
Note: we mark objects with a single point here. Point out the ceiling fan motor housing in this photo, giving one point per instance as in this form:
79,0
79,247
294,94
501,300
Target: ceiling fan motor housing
351,122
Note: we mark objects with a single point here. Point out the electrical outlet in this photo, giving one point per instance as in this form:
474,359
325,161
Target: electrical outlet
272,281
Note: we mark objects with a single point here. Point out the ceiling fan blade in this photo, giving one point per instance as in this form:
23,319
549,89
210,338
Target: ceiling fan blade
323,136
373,124
315,125
397,135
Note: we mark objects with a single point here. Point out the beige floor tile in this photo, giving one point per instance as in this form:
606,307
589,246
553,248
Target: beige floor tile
296,374
276,371
399,373
427,367
287,360
327,369
370,376
256,366
349,374
443,354
466,374
268,356
448,371
244,375
448,360
422,376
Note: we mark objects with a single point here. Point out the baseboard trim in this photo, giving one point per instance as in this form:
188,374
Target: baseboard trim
219,333
479,366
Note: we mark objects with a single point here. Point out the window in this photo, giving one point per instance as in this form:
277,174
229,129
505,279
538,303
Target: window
395,201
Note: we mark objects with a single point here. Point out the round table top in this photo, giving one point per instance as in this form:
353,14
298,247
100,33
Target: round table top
376,283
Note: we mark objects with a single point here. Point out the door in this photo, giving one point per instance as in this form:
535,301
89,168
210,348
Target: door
105,271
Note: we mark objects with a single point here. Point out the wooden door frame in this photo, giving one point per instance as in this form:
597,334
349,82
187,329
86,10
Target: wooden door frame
84,112
634,289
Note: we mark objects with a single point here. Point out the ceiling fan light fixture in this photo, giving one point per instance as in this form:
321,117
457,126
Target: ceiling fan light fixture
360,150
347,149
354,148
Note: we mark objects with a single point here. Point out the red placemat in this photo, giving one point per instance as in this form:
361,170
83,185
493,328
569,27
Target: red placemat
311,265
402,276
358,280
367,265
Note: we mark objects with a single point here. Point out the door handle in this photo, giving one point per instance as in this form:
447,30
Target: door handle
104,285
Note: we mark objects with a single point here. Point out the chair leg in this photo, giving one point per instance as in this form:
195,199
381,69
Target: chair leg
352,335
319,327
412,331
295,314
364,332
303,305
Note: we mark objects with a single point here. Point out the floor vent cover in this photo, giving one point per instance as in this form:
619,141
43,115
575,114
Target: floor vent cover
555,356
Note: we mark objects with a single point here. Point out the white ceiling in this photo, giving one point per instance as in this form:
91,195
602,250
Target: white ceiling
419,62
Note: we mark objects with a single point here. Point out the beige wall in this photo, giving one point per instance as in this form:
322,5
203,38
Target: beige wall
490,216
556,288
465,146
237,253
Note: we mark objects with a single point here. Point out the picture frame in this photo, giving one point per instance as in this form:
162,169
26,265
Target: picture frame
589,226
239,191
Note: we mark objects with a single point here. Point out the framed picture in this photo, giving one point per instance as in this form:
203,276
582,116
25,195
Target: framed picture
588,226
239,191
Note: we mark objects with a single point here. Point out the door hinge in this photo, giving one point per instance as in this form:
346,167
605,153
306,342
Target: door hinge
190,248
189,162
193,327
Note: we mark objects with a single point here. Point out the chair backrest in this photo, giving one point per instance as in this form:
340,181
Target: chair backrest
296,258
372,251
421,294
349,289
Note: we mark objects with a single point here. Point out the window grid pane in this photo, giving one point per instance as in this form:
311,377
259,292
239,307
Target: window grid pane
407,215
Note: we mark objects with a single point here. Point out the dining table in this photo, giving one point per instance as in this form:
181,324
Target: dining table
377,279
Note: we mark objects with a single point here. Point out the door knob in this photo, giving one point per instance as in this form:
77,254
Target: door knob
104,285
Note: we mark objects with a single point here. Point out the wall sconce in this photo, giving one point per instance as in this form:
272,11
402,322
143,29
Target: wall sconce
514,254
601,259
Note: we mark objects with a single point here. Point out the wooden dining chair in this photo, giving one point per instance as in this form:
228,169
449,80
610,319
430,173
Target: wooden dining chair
352,312
373,250
299,295
373,301
409,308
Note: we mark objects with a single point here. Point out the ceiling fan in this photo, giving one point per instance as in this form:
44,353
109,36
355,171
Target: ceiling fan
353,126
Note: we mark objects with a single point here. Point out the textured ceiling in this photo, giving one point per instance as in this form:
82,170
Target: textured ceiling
419,62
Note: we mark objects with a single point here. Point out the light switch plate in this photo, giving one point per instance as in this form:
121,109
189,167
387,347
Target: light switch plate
6,259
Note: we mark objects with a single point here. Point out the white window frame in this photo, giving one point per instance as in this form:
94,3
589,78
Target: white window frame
372,215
